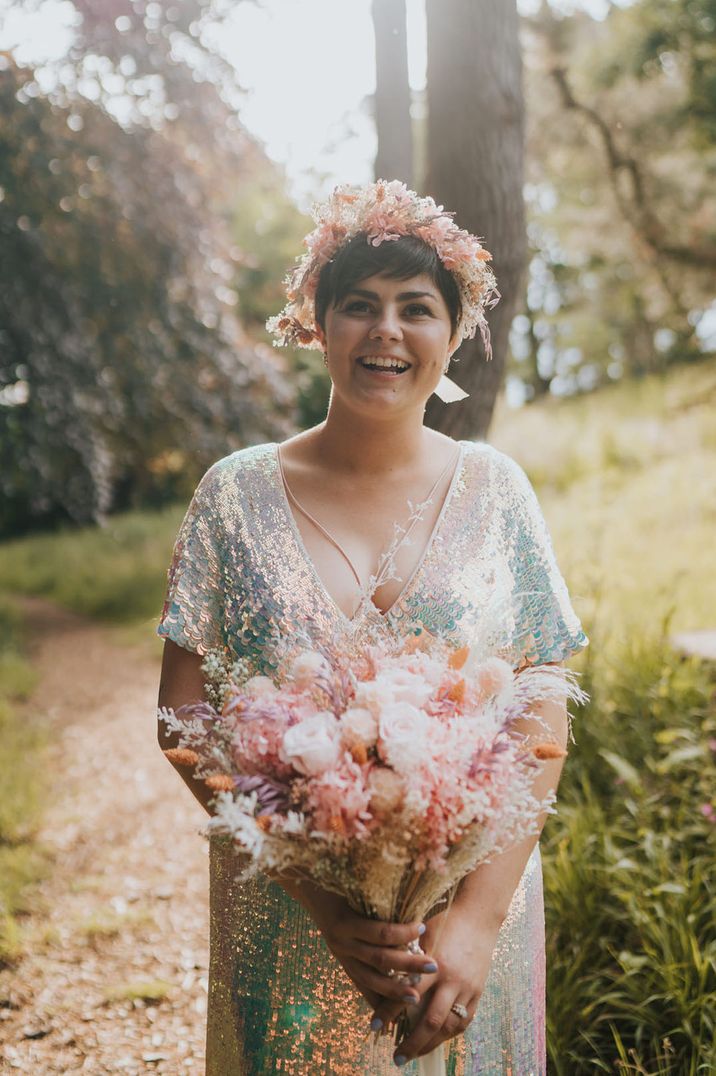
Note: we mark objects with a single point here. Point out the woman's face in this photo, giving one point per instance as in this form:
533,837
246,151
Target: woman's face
387,343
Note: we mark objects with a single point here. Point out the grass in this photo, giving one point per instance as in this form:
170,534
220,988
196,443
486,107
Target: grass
627,480
23,861
116,573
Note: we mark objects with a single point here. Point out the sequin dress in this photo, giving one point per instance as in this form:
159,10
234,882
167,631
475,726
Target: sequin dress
279,1002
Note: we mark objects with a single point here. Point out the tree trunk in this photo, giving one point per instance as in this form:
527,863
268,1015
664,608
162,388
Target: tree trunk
394,159
475,168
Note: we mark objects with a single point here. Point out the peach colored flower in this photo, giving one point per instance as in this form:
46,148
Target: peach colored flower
220,782
386,789
183,756
548,750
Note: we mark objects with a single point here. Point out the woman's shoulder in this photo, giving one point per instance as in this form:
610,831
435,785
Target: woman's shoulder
238,467
488,462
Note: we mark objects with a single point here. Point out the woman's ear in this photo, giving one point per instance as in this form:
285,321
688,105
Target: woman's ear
321,336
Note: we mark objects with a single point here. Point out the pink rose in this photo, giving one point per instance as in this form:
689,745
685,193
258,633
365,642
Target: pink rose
312,746
492,676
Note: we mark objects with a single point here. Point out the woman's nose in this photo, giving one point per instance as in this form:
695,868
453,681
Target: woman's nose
386,326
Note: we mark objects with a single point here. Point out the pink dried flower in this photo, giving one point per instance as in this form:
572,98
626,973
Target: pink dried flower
383,212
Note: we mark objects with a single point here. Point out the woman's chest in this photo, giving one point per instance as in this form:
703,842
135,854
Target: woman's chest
361,547
281,582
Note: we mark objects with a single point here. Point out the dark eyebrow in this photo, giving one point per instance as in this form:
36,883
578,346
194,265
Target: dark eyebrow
403,295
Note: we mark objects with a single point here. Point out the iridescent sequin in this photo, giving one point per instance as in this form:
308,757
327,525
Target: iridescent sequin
279,1002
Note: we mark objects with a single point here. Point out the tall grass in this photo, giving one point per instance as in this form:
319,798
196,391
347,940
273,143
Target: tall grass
115,573
629,880
22,859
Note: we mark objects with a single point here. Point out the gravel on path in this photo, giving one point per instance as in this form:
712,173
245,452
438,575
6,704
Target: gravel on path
114,976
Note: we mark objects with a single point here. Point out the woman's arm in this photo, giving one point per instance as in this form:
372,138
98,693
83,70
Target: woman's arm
181,682
487,892
463,938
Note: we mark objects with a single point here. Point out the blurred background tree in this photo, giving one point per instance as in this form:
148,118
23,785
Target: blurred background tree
475,144
124,367
620,192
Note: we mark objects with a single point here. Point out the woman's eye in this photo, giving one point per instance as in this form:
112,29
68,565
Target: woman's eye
360,304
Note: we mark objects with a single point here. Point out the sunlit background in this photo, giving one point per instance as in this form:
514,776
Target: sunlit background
157,164
307,69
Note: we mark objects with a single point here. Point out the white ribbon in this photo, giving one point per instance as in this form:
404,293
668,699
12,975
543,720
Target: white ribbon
432,1064
447,391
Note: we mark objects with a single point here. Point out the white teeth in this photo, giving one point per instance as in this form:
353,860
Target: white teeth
385,362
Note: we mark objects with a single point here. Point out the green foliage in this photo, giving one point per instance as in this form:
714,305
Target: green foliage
626,479
269,231
124,370
115,573
630,894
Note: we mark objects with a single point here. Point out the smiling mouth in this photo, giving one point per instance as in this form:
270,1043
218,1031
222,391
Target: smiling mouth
384,365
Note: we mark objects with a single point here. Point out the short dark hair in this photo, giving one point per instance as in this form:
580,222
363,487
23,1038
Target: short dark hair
397,259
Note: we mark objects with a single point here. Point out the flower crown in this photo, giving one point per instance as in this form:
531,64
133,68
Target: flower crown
384,211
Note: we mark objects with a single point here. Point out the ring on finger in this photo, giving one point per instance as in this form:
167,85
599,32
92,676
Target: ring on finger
391,973
459,1010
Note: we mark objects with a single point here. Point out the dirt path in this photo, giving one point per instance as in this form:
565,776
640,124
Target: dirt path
126,904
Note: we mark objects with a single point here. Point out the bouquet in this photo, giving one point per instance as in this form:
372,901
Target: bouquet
384,777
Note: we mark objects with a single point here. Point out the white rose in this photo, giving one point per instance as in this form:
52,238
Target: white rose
359,723
373,695
307,667
312,746
403,733
260,687
406,686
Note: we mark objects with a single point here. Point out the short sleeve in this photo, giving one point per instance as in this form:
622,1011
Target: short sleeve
545,627
193,613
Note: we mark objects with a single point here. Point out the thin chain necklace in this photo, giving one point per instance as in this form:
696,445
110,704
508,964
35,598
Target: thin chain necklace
387,559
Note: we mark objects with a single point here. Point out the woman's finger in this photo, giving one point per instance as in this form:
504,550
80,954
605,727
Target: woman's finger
387,1011
446,1032
398,991
379,932
399,960
434,1019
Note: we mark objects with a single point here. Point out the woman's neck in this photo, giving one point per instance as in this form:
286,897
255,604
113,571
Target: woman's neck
357,444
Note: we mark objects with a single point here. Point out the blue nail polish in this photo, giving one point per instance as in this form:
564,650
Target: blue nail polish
376,1023
400,1060
421,930
430,967
409,999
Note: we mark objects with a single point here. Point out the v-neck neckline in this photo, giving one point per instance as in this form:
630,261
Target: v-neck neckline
367,605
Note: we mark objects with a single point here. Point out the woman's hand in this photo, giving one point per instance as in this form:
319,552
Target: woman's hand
369,948
464,953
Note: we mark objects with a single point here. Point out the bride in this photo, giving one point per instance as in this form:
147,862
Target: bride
368,525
